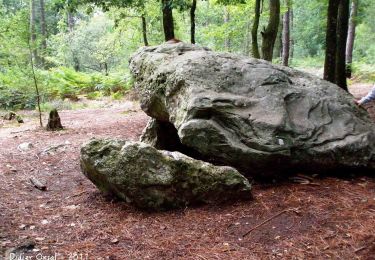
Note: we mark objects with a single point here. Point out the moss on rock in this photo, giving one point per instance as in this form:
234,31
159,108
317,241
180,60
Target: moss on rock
152,179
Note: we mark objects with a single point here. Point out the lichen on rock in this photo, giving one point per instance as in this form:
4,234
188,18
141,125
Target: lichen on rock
260,118
152,179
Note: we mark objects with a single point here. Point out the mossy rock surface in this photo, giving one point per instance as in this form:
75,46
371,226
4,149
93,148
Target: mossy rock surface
153,179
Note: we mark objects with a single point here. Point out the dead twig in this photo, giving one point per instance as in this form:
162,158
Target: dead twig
76,195
52,148
17,132
359,249
271,218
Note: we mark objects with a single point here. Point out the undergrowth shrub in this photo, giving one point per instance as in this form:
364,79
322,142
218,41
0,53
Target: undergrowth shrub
12,99
17,90
117,95
61,105
94,95
363,72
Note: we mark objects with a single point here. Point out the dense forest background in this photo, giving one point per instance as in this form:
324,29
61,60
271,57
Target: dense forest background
70,48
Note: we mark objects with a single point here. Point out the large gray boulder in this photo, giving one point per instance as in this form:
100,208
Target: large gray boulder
151,179
260,118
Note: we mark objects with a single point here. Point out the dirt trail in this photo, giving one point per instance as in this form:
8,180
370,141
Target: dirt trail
336,217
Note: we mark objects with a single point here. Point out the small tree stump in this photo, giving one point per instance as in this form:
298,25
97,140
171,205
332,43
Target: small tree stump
19,119
10,116
54,121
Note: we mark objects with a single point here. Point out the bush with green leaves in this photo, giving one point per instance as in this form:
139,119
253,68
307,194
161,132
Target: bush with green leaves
12,99
117,96
17,90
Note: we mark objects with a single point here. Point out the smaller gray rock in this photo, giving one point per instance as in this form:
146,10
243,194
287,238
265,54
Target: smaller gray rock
152,179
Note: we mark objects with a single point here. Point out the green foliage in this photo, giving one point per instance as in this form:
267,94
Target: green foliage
309,27
66,83
117,95
92,46
94,95
16,90
56,104
214,33
88,54
308,62
15,99
364,51
364,72
58,83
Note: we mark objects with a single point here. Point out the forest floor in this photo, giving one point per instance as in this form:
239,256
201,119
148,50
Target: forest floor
325,218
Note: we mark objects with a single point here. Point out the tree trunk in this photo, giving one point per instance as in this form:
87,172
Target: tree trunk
70,24
270,33
331,40
247,40
342,35
291,48
35,81
76,64
192,21
286,35
254,31
32,31
144,30
43,30
351,38
168,25
70,21
278,48
43,27
227,41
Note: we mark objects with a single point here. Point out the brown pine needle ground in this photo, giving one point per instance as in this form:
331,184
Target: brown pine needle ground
336,217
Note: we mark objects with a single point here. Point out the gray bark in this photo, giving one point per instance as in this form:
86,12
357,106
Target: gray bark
70,21
144,30
351,37
32,31
331,40
254,31
168,24
291,34
227,41
270,33
192,21
286,36
342,35
43,26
